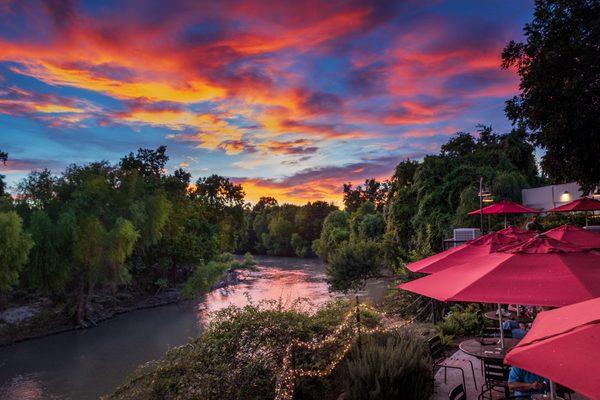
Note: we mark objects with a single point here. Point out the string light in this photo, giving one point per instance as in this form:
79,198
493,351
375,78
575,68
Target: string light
285,387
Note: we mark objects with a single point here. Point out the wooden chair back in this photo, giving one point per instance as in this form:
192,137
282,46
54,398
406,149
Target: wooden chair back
495,371
436,350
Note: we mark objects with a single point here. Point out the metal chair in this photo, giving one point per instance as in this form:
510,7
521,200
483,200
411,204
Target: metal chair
458,393
496,378
436,350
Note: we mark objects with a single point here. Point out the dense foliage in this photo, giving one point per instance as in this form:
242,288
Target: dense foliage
239,356
559,103
420,204
429,198
133,225
285,230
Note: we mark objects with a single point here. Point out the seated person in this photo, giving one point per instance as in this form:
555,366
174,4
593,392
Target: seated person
520,331
524,383
510,324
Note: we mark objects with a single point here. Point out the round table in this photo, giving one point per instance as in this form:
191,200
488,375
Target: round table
475,348
513,316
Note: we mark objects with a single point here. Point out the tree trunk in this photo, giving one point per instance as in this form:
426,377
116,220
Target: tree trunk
81,303
113,280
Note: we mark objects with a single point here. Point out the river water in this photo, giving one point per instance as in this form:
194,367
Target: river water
86,364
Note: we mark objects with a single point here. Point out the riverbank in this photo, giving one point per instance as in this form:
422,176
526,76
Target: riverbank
34,317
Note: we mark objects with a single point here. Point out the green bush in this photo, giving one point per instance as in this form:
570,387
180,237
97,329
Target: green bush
459,322
204,276
249,262
389,366
239,356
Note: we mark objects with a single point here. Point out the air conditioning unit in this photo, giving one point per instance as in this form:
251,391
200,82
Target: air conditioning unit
466,234
593,228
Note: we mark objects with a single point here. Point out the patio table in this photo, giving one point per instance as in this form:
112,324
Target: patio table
475,348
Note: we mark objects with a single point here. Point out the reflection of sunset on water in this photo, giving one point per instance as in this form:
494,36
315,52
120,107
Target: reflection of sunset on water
270,283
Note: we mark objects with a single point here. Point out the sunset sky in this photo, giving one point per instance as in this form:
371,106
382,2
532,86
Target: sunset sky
289,98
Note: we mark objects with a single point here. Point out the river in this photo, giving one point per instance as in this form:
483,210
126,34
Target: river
86,364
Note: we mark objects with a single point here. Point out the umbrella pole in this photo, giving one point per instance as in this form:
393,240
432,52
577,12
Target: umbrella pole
552,391
586,221
501,330
505,224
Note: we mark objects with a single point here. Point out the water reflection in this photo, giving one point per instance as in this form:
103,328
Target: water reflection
85,364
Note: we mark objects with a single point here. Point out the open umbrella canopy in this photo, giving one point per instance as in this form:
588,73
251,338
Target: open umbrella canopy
541,271
479,247
564,345
582,204
505,207
576,235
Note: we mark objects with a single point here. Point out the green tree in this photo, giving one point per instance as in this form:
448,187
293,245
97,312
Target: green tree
38,189
278,240
90,236
49,267
14,248
559,65
336,230
120,242
219,192
352,264
372,191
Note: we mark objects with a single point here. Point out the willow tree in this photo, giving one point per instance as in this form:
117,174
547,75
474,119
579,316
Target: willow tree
120,242
87,251
49,267
14,248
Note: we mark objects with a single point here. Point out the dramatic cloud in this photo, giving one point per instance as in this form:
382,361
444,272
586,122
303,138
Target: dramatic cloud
272,90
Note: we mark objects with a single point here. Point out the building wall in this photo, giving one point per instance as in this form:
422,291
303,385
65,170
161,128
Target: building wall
547,197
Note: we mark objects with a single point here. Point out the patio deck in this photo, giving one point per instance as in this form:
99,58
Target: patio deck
441,390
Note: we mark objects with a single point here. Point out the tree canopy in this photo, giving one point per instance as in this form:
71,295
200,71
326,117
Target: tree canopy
559,103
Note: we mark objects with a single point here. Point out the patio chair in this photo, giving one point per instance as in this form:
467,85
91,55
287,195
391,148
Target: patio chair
458,393
436,351
496,378
486,331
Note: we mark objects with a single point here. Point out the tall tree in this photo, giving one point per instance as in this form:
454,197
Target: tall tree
559,103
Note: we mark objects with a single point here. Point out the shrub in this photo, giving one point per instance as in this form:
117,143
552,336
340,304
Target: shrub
389,366
204,276
239,356
249,262
459,322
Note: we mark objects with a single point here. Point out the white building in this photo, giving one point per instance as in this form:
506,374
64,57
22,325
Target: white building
547,197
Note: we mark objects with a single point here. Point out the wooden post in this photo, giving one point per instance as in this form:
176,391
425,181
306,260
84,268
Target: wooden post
357,319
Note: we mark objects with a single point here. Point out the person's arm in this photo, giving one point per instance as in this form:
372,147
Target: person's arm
525,387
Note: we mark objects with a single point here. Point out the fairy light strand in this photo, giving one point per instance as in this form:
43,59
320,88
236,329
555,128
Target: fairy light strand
285,387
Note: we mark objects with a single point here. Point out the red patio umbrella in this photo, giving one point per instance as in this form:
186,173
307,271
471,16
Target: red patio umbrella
576,235
564,346
541,272
583,204
479,247
505,207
